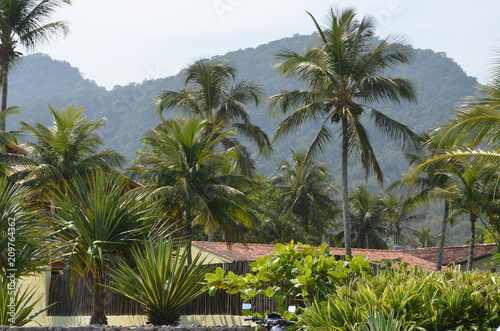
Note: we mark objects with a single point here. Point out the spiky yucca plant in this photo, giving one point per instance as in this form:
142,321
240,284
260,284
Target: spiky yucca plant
159,281
23,303
23,252
376,321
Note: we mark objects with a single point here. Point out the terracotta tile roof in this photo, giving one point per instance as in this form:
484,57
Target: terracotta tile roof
377,255
14,149
456,254
250,252
236,251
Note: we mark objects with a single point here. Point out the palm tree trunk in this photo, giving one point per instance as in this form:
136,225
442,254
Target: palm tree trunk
472,218
397,237
345,190
211,235
97,316
5,73
443,235
189,232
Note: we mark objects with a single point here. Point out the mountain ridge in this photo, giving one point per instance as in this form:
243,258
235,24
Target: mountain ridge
39,81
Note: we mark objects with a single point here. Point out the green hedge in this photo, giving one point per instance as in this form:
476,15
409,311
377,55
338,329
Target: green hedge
450,300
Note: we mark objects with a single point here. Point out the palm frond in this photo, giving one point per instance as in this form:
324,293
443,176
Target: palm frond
396,131
359,144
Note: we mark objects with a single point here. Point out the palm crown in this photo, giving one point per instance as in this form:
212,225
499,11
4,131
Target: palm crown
306,189
67,149
195,177
212,93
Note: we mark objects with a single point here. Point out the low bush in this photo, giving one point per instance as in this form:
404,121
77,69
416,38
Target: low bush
452,300
160,280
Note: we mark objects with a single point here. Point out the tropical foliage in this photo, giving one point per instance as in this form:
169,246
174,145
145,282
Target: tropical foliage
96,222
17,305
67,149
200,179
306,190
398,213
451,300
23,252
8,139
369,226
466,191
213,94
196,179
296,272
159,281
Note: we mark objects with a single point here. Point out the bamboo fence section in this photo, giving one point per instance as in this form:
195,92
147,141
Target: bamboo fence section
79,304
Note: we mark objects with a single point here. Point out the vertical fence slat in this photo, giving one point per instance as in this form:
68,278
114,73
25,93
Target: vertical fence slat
80,304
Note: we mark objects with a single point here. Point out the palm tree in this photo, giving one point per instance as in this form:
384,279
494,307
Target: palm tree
342,76
478,118
67,149
466,191
306,190
367,218
423,238
397,211
475,124
429,180
212,93
96,221
25,23
196,179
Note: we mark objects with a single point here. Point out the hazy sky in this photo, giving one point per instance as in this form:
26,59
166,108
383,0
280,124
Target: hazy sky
115,42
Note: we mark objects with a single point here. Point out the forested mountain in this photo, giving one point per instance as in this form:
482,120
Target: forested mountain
38,81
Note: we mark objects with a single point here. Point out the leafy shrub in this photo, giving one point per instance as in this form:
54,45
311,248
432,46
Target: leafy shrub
434,301
291,272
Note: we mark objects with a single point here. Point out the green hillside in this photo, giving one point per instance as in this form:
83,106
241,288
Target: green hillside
38,81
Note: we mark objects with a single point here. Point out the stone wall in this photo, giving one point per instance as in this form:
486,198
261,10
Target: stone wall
134,328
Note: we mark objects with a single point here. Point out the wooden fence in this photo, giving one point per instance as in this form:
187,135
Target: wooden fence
80,303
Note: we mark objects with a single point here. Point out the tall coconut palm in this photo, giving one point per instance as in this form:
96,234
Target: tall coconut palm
342,76
186,167
97,221
25,23
429,180
306,190
212,93
67,149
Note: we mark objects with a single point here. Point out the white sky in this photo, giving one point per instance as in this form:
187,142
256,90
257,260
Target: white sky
115,42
